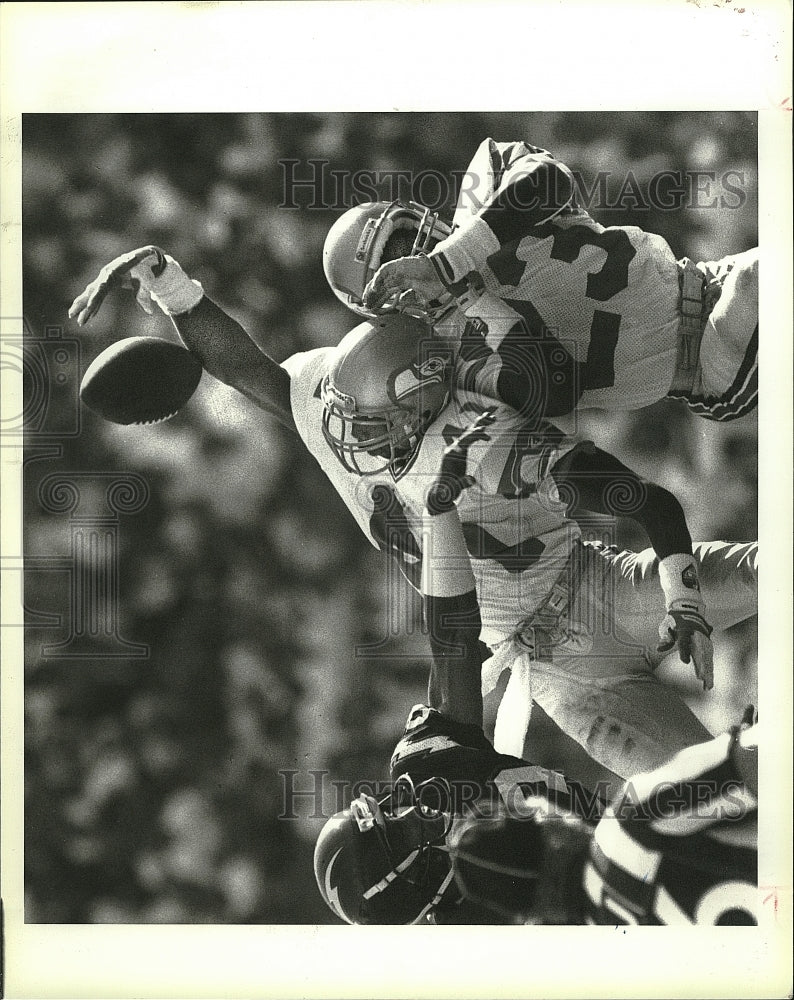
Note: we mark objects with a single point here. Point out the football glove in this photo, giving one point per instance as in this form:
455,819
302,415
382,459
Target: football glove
452,478
435,746
154,276
410,281
685,623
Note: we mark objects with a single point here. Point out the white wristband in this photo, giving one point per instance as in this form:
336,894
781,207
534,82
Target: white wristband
174,292
678,575
468,245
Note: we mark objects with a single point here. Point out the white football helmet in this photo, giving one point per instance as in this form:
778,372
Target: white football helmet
388,382
366,236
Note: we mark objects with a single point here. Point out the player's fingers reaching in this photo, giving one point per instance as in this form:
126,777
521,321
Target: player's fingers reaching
696,648
703,659
396,277
453,476
115,274
392,278
686,626
476,431
407,302
666,635
88,301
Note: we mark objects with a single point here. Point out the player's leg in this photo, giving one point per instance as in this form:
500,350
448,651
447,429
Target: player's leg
597,684
627,720
547,745
729,348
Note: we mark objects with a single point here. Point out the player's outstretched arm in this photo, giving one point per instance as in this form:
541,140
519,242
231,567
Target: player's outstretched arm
228,353
221,344
597,481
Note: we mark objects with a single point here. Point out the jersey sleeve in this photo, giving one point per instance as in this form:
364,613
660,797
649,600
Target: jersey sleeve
296,364
305,370
509,188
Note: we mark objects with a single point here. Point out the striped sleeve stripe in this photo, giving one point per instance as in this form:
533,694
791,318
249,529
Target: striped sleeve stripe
708,794
739,399
593,884
442,266
687,823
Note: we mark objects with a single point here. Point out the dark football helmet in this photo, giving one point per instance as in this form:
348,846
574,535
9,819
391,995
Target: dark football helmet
527,869
366,236
388,382
379,864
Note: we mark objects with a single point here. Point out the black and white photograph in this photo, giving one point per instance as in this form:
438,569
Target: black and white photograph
383,493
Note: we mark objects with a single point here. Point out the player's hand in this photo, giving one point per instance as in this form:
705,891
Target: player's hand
684,624
136,270
452,478
404,283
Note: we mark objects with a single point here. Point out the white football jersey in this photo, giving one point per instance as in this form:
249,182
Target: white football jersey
609,296
514,523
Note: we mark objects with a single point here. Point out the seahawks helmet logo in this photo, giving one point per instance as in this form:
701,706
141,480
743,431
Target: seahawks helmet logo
332,891
431,371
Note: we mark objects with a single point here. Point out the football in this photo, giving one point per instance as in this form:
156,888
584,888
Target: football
140,380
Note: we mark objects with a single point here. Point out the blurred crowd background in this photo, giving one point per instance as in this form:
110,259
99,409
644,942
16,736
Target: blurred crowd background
155,785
